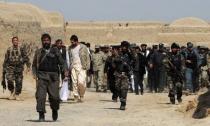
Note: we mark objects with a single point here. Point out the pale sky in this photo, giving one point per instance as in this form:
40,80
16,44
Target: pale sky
143,10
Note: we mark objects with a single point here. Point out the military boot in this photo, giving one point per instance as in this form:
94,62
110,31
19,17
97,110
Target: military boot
142,91
122,106
41,117
179,100
172,100
54,115
114,99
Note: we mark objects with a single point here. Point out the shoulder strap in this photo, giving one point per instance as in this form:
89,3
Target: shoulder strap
39,61
44,56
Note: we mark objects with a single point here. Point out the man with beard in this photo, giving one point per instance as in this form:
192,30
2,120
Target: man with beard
46,64
122,73
79,64
64,53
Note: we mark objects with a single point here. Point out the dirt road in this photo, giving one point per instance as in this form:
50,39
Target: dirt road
97,110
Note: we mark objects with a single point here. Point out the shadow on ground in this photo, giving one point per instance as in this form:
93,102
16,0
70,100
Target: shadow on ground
37,121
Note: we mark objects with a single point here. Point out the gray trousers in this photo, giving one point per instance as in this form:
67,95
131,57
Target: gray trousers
47,85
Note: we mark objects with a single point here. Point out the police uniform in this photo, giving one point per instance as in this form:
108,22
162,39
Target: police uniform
158,59
139,71
46,65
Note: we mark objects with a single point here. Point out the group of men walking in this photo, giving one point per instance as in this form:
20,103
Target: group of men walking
118,68
49,63
157,69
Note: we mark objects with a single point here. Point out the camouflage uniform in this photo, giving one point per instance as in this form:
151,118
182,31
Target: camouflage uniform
106,85
13,65
175,77
99,59
203,78
122,77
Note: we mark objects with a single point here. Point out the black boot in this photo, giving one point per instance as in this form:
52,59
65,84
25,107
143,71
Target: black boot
114,99
54,115
179,100
142,91
41,117
172,100
122,106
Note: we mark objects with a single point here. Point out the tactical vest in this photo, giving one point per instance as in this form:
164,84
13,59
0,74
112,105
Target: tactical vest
123,64
176,61
15,56
48,61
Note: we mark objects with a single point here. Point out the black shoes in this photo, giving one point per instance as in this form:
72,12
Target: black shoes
54,115
41,117
114,99
172,100
142,92
179,100
122,106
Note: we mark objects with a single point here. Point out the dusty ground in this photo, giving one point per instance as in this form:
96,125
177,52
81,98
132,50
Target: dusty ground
97,110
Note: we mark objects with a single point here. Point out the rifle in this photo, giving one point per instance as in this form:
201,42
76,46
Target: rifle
178,73
3,83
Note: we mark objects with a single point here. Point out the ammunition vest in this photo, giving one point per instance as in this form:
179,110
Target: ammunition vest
48,61
176,60
15,56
